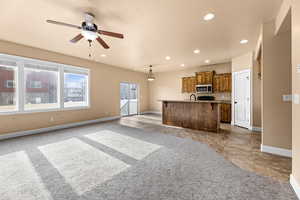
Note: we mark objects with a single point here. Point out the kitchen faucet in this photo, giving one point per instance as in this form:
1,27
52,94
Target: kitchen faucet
193,95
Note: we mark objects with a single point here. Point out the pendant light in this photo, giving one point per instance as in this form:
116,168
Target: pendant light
150,75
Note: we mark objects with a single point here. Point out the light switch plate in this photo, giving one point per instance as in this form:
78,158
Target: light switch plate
298,68
296,99
287,97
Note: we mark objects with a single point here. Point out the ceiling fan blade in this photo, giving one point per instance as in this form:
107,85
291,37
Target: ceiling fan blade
77,38
63,24
112,34
102,43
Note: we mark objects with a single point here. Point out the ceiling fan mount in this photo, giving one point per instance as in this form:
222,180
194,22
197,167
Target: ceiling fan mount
89,30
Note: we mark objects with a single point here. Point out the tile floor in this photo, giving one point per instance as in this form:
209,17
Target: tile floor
238,145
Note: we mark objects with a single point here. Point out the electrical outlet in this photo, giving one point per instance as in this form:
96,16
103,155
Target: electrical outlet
51,119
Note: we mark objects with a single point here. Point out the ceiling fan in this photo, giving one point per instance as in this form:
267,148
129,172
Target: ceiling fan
89,31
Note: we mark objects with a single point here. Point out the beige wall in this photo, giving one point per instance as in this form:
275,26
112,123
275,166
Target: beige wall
256,116
167,85
104,91
284,10
296,87
276,73
244,62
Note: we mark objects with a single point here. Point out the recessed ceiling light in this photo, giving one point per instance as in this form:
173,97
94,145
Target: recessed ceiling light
244,41
196,51
182,65
103,55
168,58
207,61
209,16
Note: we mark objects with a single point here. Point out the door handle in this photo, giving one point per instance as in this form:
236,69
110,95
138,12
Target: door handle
235,102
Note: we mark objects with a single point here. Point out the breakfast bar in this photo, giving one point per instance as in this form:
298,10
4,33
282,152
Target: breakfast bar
198,115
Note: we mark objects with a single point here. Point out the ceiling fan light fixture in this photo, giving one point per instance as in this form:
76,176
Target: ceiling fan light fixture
89,35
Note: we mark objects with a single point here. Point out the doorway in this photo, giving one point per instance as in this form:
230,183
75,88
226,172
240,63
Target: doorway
242,94
128,99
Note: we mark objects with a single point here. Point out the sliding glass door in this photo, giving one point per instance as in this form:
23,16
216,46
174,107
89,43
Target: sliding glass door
128,99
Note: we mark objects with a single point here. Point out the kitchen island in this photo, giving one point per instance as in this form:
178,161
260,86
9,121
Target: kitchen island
199,115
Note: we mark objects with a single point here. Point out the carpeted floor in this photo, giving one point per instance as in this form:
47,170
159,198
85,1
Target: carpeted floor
112,162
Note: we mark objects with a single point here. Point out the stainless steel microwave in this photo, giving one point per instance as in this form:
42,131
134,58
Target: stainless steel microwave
204,89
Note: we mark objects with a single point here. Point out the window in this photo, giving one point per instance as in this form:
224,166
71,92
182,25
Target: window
8,71
75,89
35,84
41,87
28,85
10,84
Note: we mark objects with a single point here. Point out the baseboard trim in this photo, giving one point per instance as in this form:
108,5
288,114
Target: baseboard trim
151,112
255,129
54,128
295,185
276,151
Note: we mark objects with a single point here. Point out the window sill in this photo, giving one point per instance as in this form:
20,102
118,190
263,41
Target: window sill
45,110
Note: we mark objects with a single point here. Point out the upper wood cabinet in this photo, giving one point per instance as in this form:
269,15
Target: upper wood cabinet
189,84
204,77
222,82
184,85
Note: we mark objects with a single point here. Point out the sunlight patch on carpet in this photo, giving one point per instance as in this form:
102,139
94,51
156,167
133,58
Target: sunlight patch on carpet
132,147
19,180
83,166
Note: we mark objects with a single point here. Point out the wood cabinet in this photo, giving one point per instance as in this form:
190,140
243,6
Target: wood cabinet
222,82
184,85
194,115
204,77
225,113
189,84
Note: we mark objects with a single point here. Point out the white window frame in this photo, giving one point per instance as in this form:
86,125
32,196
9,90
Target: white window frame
16,82
20,84
40,64
80,71
7,85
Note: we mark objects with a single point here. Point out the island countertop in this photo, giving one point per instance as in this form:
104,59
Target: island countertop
201,101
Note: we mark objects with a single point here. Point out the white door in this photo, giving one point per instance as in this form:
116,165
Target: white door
242,98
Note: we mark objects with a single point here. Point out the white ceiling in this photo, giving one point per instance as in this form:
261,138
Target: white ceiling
153,29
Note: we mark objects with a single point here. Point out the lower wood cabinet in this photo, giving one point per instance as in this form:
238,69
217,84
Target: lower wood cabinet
226,113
